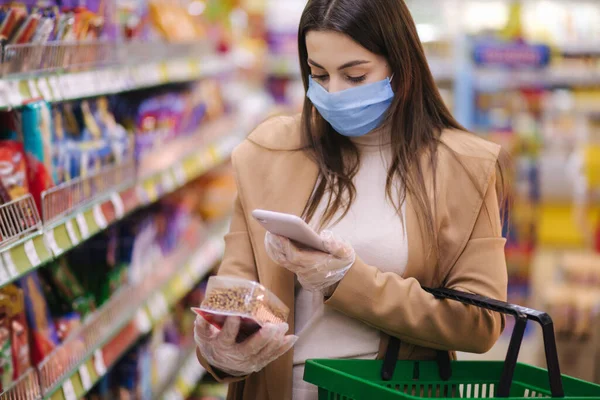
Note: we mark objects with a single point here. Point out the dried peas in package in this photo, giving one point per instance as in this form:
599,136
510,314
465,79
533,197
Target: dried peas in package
235,297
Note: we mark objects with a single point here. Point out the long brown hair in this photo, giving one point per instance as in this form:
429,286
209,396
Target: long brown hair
416,118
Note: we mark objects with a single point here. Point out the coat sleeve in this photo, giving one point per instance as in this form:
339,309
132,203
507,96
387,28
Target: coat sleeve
401,308
238,261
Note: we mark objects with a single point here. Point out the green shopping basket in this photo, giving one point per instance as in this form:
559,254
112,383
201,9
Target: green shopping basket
444,379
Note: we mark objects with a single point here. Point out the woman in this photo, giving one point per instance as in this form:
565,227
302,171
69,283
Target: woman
404,196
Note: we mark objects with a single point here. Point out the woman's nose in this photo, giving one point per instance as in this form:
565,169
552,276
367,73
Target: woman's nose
335,85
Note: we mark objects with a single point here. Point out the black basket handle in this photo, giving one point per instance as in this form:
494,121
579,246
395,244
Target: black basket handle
522,315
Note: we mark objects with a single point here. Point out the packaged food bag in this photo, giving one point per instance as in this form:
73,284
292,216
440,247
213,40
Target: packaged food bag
43,334
6,360
19,329
235,297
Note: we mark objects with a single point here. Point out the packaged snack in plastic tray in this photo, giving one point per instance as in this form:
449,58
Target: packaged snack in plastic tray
255,304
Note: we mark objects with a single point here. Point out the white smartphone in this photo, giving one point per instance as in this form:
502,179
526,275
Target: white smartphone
291,227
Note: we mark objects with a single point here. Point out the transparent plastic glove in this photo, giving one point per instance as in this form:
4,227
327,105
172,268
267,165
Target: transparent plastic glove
316,271
221,351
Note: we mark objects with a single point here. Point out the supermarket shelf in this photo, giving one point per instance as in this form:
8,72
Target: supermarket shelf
30,58
492,79
73,369
66,229
115,69
184,379
39,58
150,311
576,49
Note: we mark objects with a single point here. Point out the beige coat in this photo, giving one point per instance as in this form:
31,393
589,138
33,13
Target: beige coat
272,173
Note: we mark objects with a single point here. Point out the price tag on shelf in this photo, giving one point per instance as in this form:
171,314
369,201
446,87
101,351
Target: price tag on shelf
92,84
99,217
151,191
4,276
177,70
212,253
214,154
72,89
125,78
112,84
99,364
190,372
158,306
44,88
167,181
14,91
78,83
69,390
52,244
202,164
4,95
155,312
60,84
55,87
90,87
142,75
117,202
10,264
142,321
83,226
141,194
31,253
180,286
86,380
71,232
190,274
180,176
33,89
158,74
173,394
147,76
162,302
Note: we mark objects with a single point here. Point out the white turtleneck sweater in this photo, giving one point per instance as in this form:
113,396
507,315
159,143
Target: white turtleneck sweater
375,231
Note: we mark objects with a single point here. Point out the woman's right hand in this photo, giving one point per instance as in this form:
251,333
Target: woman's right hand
220,349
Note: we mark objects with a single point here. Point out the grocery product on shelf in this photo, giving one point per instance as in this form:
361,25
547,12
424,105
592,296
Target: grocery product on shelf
15,183
6,358
215,191
573,303
36,122
19,330
41,22
64,288
58,149
63,299
44,337
162,117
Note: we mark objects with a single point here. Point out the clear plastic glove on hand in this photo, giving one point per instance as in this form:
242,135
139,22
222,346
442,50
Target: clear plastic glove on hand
220,349
316,271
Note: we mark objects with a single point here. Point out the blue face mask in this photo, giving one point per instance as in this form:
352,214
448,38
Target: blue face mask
353,112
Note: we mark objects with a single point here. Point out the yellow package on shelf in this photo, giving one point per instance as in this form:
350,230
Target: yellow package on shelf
592,165
558,226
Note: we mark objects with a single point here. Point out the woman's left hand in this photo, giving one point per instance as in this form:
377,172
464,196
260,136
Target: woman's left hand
316,271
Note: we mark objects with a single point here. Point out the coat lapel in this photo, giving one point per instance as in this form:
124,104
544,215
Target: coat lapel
421,260
287,188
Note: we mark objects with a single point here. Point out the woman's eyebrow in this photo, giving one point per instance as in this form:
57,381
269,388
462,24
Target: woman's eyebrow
353,64
347,65
314,64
